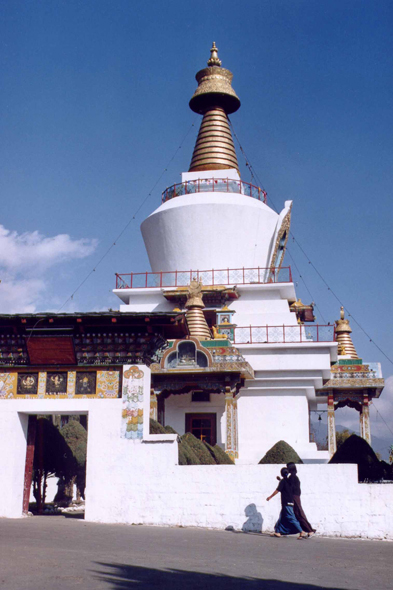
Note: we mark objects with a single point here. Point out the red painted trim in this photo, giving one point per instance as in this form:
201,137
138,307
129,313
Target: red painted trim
127,280
31,432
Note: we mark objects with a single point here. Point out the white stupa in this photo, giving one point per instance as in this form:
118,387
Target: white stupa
216,228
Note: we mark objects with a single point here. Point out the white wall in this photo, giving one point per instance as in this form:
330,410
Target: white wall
221,496
139,482
178,405
265,419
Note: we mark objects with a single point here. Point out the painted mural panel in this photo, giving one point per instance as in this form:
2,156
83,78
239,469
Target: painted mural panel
132,406
85,383
108,383
8,384
27,384
59,384
56,384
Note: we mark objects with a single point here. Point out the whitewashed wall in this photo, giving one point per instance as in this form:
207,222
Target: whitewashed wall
139,481
265,419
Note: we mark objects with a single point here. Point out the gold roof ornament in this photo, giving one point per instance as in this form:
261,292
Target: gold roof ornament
214,61
215,99
195,318
343,337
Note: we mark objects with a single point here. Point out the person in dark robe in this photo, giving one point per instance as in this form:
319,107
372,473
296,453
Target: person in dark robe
294,482
287,523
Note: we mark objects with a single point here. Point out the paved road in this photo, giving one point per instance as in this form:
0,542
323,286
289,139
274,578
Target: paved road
59,553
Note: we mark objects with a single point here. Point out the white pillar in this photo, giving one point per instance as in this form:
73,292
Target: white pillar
153,405
331,426
229,412
365,431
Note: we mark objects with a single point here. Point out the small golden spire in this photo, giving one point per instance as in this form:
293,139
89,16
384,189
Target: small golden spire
343,337
214,61
195,318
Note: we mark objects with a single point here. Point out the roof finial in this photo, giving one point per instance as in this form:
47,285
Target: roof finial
343,337
214,61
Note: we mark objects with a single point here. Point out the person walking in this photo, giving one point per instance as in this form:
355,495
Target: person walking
287,523
294,482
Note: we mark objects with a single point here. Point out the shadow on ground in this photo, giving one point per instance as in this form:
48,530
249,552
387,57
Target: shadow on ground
122,577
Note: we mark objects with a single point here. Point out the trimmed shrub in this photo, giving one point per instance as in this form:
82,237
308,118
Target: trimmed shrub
75,436
193,451
280,454
198,448
156,427
356,450
187,455
219,455
170,430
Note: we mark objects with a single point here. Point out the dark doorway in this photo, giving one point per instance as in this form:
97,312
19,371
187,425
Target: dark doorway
203,426
55,469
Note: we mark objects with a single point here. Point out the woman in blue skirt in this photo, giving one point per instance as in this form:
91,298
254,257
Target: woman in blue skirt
287,523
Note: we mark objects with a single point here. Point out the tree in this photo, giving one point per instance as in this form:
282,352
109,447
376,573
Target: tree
75,436
51,458
356,450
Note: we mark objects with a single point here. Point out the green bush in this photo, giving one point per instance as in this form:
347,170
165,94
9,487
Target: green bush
193,451
156,427
280,454
198,448
356,450
219,455
187,455
75,436
170,430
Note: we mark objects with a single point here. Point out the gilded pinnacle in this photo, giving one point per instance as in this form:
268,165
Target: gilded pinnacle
343,337
214,61
215,99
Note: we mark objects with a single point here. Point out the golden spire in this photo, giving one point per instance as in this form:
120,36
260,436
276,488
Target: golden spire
343,337
215,99
195,317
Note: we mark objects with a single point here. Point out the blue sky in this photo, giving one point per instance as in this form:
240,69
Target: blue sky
94,104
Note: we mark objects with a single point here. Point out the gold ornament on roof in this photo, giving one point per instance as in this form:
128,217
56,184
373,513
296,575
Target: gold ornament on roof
217,335
215,99
195,318
195,294
214,61
343,337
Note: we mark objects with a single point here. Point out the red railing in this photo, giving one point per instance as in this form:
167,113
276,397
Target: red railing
283,334
227,276
219,185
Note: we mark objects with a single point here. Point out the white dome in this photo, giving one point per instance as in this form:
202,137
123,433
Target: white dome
210,230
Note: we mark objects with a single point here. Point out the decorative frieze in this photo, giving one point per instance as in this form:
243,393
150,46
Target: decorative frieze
59,384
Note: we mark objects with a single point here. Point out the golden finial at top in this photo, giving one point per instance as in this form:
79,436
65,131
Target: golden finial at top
214,61
343,337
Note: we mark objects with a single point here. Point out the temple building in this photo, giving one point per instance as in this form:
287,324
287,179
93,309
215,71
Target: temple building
213,340
247,301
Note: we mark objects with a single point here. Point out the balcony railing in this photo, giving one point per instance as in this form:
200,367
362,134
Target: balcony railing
283,334
227,276
219,185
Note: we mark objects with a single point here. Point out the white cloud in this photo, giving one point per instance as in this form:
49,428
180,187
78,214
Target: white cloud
25,263
32,249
